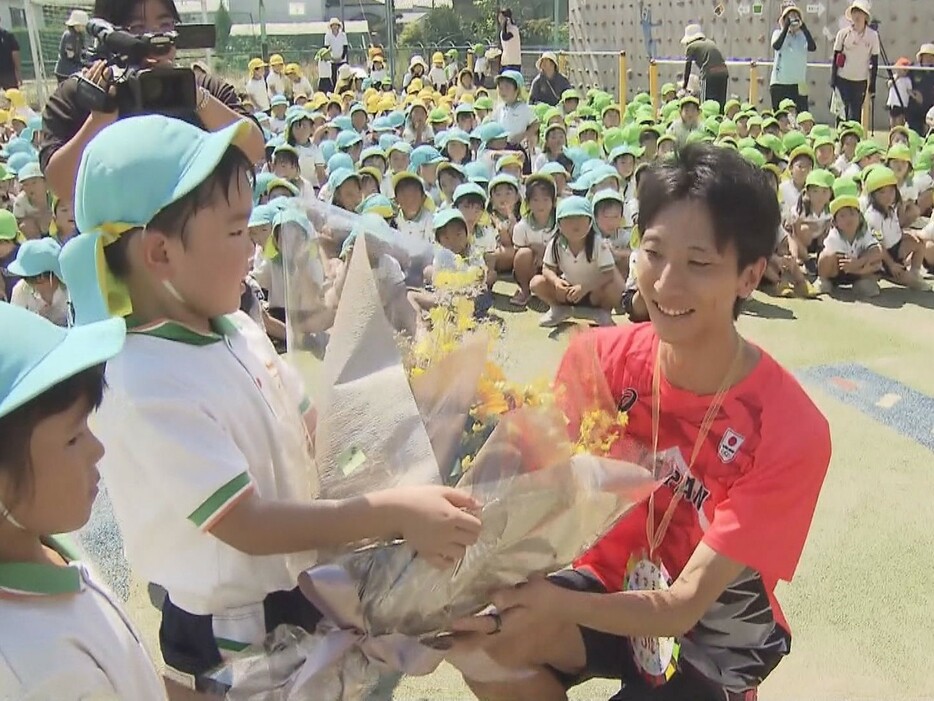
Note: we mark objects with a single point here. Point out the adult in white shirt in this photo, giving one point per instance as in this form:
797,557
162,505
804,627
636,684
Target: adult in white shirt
855,60
336,41
510,41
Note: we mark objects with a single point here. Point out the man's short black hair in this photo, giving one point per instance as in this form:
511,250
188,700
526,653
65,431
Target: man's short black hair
16,428
739,196
119,12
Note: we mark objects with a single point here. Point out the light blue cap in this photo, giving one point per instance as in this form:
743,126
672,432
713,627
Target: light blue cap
468,189
261,117
478,171
295,117
339,160
262,214
357,107
491,131
464,108
396,119
443,217
514,76
260,183
285,148
341,176
348,139
554,168
170,156
574,206
30,171
17,144
36,257
400,146
458,135
328,148
425,155
387,140
378,203
35,123
504,179
342,122
278,100
36,355
607,195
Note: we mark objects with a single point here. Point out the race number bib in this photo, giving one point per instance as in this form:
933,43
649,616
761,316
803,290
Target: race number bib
656,658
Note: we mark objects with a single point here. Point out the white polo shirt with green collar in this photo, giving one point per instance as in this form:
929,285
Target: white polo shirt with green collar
62,636
192,423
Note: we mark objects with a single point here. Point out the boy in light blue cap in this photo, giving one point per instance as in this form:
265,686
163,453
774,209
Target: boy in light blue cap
278,106
51,380
424,162
207,428
40,289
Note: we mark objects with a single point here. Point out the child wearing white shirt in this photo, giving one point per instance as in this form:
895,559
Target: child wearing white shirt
899,93
851,255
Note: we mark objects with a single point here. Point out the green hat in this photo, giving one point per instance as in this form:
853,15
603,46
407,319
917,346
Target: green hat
841,202
755,121
879,178
554,168
805,117
513,76
793,140
850,128
746,142
574,206
613,137
588,126
803,150
728,141
845,187
768,122
438,115
9,228
787,104
733,102
753,156
899,152
771,142
820,178
668,88
710,108
570,94
824,141
6,175
727,128
669,108
38,355
867,148
625,150
712,126
925,160
484,102
747,107
667,137
445,216
821,131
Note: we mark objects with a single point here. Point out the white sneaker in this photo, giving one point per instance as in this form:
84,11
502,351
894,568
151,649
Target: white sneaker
601,317
866,287
825,286
556,314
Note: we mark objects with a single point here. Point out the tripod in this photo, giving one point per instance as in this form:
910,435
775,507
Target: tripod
883,56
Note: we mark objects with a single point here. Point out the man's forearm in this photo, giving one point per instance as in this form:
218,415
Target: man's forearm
215,115
634,614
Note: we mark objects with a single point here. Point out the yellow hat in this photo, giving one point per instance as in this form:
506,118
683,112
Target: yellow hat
372,104
293,69
844,201
276,60
467,98
256,63
387,102
415,86
4,117
437,58
426,94
16,97
318,100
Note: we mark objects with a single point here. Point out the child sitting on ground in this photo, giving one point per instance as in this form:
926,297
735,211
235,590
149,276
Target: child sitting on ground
609,221
851,254
505,211
533,233
40,290
32,206
902,253
578,269
809,222
898,158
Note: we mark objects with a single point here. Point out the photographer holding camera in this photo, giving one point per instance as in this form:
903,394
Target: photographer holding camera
68,124
792,43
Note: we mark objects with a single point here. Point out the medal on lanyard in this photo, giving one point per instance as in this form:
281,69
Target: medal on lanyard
657,658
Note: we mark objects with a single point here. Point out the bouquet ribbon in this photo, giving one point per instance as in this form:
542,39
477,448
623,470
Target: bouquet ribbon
336,595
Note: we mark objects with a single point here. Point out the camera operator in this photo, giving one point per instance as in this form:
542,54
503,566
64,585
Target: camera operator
68,127
792,43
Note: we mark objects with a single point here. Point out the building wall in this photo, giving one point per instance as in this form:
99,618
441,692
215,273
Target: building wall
742,28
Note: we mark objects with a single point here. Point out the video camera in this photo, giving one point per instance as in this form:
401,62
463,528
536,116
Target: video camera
141,89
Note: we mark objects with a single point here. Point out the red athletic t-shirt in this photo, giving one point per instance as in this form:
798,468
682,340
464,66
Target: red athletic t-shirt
750,494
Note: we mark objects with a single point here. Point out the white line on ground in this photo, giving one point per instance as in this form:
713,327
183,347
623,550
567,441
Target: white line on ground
888,401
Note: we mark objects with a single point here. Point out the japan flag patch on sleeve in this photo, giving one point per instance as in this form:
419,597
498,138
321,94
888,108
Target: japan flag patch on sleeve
730,445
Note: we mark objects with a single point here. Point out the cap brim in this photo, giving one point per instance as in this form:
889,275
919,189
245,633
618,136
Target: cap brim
203,160
83,348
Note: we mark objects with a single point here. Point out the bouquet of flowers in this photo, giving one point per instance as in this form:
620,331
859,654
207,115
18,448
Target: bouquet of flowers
439,410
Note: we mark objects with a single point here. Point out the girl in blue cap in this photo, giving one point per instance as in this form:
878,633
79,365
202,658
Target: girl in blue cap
40,290
579,270
62,633
533,232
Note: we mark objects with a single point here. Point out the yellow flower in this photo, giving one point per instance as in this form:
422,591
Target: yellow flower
600,430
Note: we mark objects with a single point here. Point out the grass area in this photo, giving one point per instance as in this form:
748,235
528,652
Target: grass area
860,609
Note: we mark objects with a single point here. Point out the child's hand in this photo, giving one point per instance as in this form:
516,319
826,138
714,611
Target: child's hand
436,522
575,294
847,265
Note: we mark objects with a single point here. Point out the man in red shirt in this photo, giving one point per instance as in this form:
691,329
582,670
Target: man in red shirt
677,601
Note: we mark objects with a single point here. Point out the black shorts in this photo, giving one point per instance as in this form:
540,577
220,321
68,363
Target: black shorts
610,657
189,646
897,111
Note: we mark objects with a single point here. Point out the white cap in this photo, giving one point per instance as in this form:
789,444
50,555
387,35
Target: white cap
77,18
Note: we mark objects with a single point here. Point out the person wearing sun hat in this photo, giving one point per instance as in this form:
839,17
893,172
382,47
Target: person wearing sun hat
40,288
276,82
51,381
921,105
216,457
255,85
548,86
714,74
855,61
336,40
71,45
792,42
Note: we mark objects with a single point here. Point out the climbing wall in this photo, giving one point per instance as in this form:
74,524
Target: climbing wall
646,29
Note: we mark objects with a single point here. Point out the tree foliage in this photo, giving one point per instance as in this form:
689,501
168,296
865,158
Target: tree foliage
222,25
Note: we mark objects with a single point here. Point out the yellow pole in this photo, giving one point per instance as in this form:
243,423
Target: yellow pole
754,84
653,85
623,81
470,59
563,63
866,116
